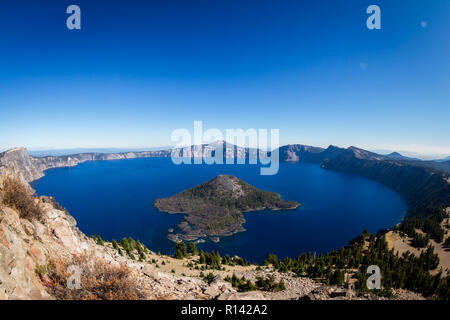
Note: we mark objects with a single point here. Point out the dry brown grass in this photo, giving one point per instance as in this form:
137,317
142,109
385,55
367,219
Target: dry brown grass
17,196
99,281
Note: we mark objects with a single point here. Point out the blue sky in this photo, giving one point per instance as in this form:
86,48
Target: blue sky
137,70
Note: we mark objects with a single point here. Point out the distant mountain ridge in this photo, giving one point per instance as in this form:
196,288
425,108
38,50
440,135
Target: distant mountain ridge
63,152
444,160
398,156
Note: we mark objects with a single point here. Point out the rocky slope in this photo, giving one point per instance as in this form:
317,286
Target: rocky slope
19,161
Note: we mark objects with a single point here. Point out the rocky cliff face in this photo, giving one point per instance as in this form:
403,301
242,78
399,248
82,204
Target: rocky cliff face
21,163
50,162
25,244
298,152
228,151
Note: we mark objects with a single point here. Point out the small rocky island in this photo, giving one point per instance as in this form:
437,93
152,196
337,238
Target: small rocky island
215,207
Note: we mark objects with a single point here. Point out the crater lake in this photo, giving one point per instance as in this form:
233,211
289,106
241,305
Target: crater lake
115,199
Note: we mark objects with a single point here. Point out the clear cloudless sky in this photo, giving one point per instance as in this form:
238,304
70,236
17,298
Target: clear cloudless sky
137,70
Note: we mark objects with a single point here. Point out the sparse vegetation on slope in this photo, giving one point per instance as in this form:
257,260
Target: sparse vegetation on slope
403,272
16,195
263,284
100,280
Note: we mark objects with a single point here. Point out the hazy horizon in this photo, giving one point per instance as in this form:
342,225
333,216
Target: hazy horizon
66,151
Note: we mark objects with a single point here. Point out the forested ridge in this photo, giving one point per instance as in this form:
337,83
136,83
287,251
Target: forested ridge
423,184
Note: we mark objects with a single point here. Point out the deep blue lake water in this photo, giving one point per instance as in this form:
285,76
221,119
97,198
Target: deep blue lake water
115,199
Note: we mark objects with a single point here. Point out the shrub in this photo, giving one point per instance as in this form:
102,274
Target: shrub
99,281
246,286
99,240
447,243
419,241
132,243
180,250
271,260
39,270
192,248
19,197
269,284
211,260
241,284
139,247
209,278
337,277
124,243
280,286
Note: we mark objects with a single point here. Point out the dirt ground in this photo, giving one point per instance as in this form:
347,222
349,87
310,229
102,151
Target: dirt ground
402,244
180,266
